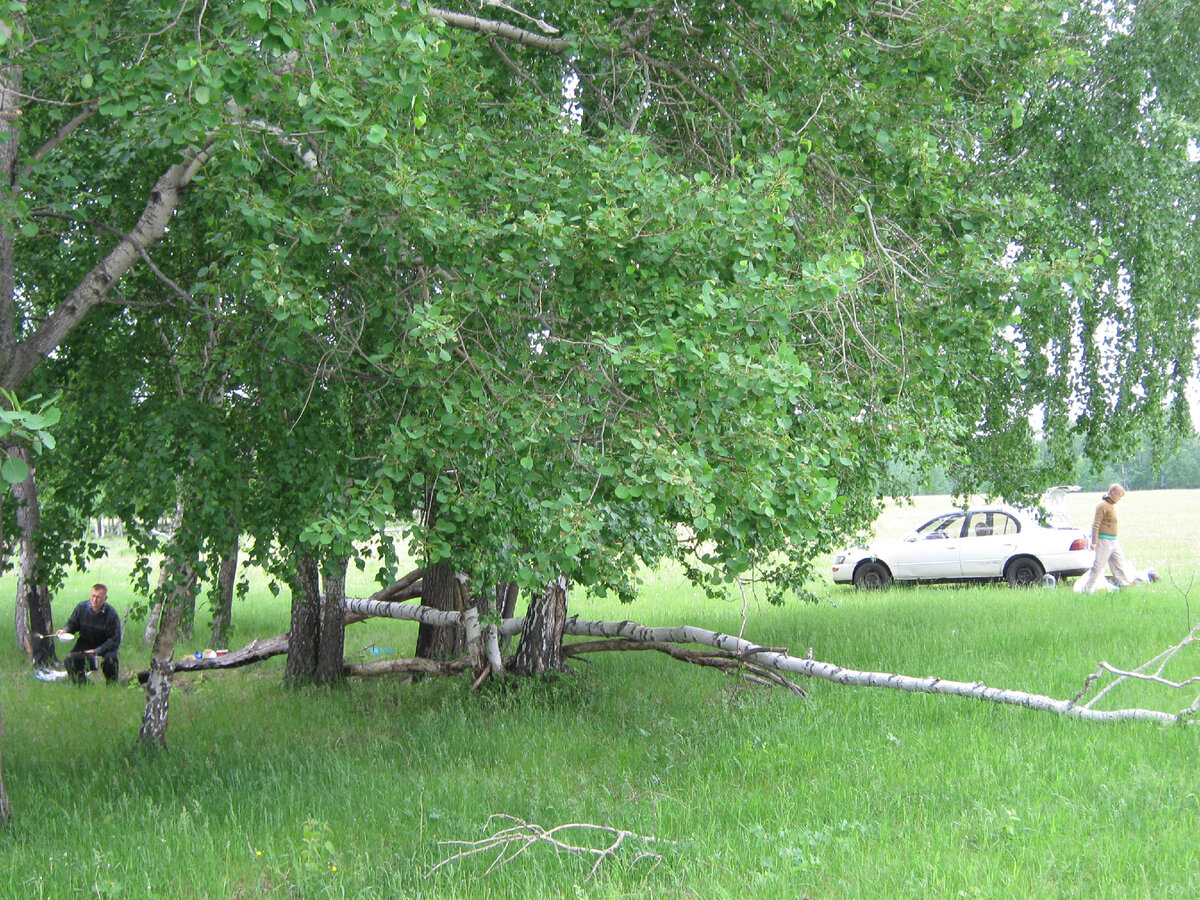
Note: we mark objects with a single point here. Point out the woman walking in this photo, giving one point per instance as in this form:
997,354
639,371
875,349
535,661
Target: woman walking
1104,540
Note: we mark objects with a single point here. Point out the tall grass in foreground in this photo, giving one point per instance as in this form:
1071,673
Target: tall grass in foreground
853,793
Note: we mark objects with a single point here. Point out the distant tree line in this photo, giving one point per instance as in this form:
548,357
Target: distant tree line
1148,468
1141,472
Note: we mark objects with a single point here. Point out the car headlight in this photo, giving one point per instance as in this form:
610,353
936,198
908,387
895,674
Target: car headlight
839,559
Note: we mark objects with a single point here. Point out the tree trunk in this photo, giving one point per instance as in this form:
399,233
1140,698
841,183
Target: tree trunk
306,624
10,94
440,589
507,593
5,808
540,650
489,612
156,611
506,597
158,685
10,133
331,648
41,621
187,614
33,614
223,611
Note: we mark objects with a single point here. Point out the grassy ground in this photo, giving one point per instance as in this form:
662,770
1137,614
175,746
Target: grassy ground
853,793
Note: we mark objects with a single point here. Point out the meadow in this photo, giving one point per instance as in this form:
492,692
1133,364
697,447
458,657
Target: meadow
361,791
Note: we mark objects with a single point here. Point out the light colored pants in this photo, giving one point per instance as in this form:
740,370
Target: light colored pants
1108,553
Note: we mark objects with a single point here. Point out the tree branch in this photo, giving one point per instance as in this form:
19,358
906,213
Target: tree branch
500,29
47,148
728,663
164,199
108,229
514,840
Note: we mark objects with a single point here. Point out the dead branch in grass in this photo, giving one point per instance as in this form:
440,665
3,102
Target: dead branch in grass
511,841
1152,671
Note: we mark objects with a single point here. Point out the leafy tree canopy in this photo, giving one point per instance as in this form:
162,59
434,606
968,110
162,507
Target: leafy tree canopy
668,279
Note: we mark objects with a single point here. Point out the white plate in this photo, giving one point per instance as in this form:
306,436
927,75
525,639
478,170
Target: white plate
66,637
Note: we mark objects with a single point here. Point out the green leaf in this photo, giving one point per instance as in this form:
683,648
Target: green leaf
14,471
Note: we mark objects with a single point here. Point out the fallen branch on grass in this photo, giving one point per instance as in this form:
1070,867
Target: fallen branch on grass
254,652
513,840
726,662
410,666
1144,672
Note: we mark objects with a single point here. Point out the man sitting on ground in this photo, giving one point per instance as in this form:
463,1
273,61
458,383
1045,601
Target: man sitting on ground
97,629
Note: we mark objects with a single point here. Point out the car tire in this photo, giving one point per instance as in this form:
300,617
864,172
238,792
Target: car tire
872,576
1024,571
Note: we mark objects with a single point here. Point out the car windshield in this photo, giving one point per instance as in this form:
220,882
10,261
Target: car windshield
947,526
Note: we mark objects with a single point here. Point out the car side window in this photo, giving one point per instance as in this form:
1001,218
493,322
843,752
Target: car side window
949,526
981,525
991,523
1006,524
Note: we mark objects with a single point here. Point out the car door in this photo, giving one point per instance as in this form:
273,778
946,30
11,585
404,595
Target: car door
989,542
932,551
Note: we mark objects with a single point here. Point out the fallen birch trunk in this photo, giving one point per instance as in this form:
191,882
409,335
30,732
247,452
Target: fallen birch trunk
763,663
255,651
780,660
412,666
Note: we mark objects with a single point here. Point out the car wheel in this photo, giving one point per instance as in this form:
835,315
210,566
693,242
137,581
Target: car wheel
1025,571
872,576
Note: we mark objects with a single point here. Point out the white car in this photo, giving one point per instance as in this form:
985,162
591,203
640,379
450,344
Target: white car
985,543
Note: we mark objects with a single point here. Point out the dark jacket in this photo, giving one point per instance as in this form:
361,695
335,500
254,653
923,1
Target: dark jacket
99,631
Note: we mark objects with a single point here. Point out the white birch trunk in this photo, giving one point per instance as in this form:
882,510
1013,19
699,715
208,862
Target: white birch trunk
780,660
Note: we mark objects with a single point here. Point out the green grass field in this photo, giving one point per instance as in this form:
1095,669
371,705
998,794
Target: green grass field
356,792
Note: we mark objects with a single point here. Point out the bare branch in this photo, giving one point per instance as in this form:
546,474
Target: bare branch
515,839
515,69
1142,673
